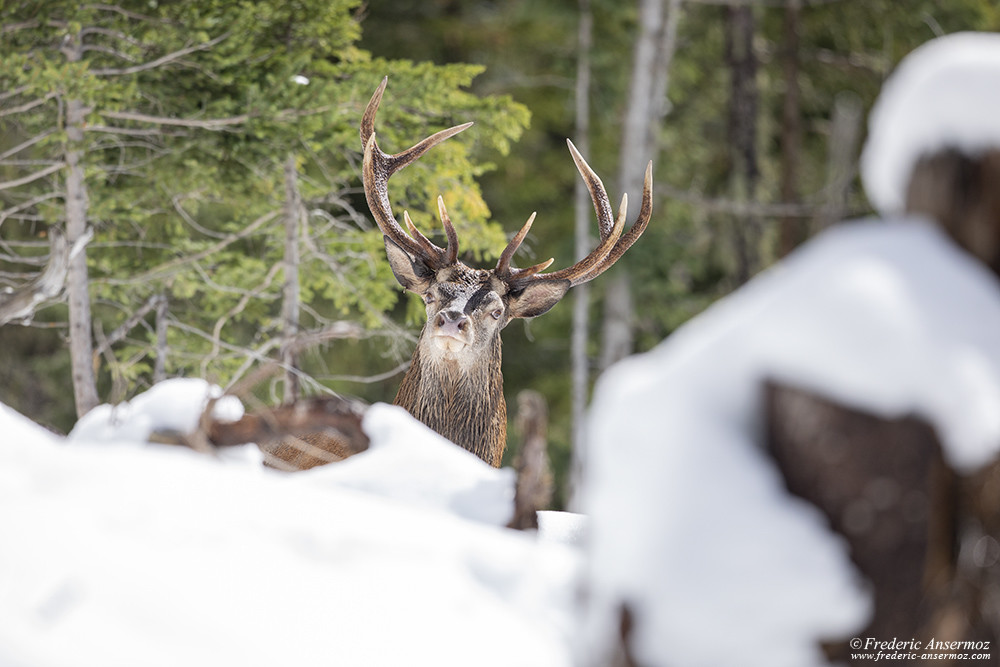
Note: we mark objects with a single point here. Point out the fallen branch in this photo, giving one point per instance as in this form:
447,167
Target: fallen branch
21,303
338,417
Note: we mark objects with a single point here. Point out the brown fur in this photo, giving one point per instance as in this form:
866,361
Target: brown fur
454,384
465,406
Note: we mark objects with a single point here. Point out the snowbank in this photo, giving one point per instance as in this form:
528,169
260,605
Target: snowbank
690,523
172,406
159,556
944,94
411,463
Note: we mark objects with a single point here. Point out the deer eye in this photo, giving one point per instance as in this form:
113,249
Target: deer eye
496,314
428,299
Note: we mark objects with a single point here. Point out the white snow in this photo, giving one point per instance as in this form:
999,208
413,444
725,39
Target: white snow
944,94
172,406
563,527
411,463
690,522
155,555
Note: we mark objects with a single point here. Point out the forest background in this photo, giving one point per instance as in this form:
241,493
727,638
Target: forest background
207,155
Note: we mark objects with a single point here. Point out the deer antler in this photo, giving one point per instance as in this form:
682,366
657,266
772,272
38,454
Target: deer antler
612,245
376,170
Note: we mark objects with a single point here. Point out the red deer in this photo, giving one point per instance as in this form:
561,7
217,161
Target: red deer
454,384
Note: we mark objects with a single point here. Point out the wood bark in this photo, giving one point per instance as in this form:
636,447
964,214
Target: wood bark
160,366
845,132
290,291
81,343
743,103
790,228
580,365
647,104
533,491
21,303
924,537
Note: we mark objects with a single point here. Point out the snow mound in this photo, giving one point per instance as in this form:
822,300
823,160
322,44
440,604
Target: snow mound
153,555
563,527
945,94
691,525
411,463
173,405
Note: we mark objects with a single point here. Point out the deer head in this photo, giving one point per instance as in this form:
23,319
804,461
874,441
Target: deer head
454,383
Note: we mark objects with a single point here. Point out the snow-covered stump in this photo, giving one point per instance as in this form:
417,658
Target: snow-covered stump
884,485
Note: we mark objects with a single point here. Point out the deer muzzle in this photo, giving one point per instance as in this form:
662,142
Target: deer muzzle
453,324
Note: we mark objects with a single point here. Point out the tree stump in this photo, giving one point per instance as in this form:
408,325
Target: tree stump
925,537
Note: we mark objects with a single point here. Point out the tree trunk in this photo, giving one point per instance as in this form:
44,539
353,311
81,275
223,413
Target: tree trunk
160,366
654,49
81,344
845,130
581,295
923,536
790,228
744,172
533,491
290,291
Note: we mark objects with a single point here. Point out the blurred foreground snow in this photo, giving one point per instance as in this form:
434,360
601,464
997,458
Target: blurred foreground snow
691,525
151,555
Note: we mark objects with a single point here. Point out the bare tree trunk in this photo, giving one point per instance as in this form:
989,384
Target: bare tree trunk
743,133
160,366
654,49
791,232
845,129
290,291
581,295
81,344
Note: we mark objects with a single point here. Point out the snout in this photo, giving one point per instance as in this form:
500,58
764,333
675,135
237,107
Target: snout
452,323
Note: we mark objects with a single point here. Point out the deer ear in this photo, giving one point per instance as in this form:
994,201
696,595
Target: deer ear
412,274
536,298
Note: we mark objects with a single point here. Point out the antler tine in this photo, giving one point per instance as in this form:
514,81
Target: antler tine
503,264
429,248
378,166
449,231
633,234
613,244
602,205
575,274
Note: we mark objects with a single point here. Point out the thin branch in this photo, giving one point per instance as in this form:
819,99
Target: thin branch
14,210
181,261
739,209
114,34
124,12
368,379
122,330
24,180
25,144
208,124
28,106
6,95
163,60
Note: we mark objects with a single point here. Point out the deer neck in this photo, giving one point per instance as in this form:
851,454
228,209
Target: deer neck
462,402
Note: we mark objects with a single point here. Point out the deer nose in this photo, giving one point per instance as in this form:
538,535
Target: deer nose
452,322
